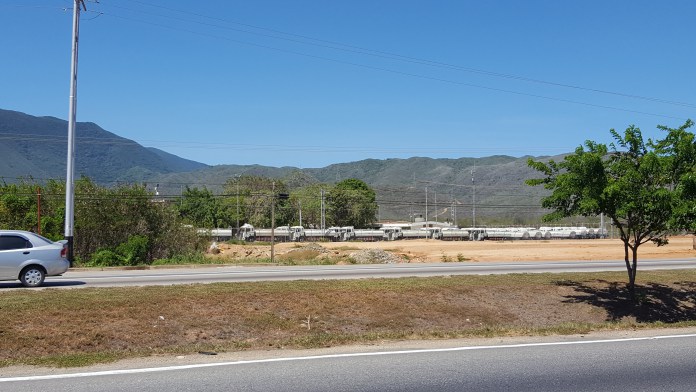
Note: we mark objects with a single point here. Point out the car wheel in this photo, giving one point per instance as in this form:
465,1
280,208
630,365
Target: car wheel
32,276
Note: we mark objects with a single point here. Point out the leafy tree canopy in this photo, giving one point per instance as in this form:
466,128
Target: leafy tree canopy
645,188
351,202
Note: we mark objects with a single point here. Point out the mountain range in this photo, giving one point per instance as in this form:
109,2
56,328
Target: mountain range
37,147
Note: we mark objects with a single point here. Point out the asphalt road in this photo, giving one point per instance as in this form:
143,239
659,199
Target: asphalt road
662,363
209,274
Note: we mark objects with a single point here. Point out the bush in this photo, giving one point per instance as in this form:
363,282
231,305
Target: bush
105,258
134,251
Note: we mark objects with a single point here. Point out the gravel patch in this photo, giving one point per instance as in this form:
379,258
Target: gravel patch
375,256
315,247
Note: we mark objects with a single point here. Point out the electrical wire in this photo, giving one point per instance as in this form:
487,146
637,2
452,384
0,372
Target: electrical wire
43,138
402,73
394,56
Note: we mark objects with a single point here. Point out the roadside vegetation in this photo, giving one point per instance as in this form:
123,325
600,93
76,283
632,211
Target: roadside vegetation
78,327
122,225
131,225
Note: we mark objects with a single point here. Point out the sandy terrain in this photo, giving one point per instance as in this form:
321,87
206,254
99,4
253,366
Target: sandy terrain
529,250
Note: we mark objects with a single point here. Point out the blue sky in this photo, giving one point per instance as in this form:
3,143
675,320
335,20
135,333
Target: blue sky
310,83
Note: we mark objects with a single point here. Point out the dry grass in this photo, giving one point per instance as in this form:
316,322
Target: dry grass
82,326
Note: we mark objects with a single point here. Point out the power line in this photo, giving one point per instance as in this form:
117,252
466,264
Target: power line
267,147
395,56
402,73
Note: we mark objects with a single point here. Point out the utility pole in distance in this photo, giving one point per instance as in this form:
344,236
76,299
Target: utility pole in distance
237,181
69,180
473,203
426,206
323,216
273,200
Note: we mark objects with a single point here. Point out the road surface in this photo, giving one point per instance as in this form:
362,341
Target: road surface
210,274
654,363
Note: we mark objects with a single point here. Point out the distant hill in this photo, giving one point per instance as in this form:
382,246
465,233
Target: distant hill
36,146
176,163
498,194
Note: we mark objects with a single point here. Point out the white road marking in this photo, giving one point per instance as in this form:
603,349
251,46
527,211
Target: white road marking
348,355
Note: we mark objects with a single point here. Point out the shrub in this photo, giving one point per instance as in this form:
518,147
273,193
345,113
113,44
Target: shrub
134,251
105,258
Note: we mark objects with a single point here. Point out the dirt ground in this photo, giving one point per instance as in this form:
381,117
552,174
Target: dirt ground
528,250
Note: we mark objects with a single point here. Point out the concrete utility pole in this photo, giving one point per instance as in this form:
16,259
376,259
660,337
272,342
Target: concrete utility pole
473,204
273,200
426,206
237,181
70,177
435,205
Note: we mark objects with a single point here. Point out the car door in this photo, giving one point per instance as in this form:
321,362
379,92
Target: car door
14,250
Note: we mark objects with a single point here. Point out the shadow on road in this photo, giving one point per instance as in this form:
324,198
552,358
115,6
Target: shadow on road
654,302
46,284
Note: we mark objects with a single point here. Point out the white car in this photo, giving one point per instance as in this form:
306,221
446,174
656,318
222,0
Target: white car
30,257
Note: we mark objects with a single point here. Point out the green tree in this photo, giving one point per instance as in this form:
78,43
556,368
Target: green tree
351,202
307,199
632,185
19,207
200,208
678,149
256,194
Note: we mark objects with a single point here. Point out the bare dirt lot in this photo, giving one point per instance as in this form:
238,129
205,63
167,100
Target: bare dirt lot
437,251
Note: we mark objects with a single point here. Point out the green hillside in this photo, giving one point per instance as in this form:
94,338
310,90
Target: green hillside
36,147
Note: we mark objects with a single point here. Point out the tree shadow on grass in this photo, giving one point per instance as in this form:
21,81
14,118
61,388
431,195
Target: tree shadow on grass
654,302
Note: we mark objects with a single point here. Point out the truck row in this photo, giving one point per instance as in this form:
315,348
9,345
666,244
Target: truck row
249,233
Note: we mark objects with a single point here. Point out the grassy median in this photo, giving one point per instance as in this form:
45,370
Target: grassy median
77,327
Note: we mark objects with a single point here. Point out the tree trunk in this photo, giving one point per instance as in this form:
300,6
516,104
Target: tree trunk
634,271
693,245
627,260
631,260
